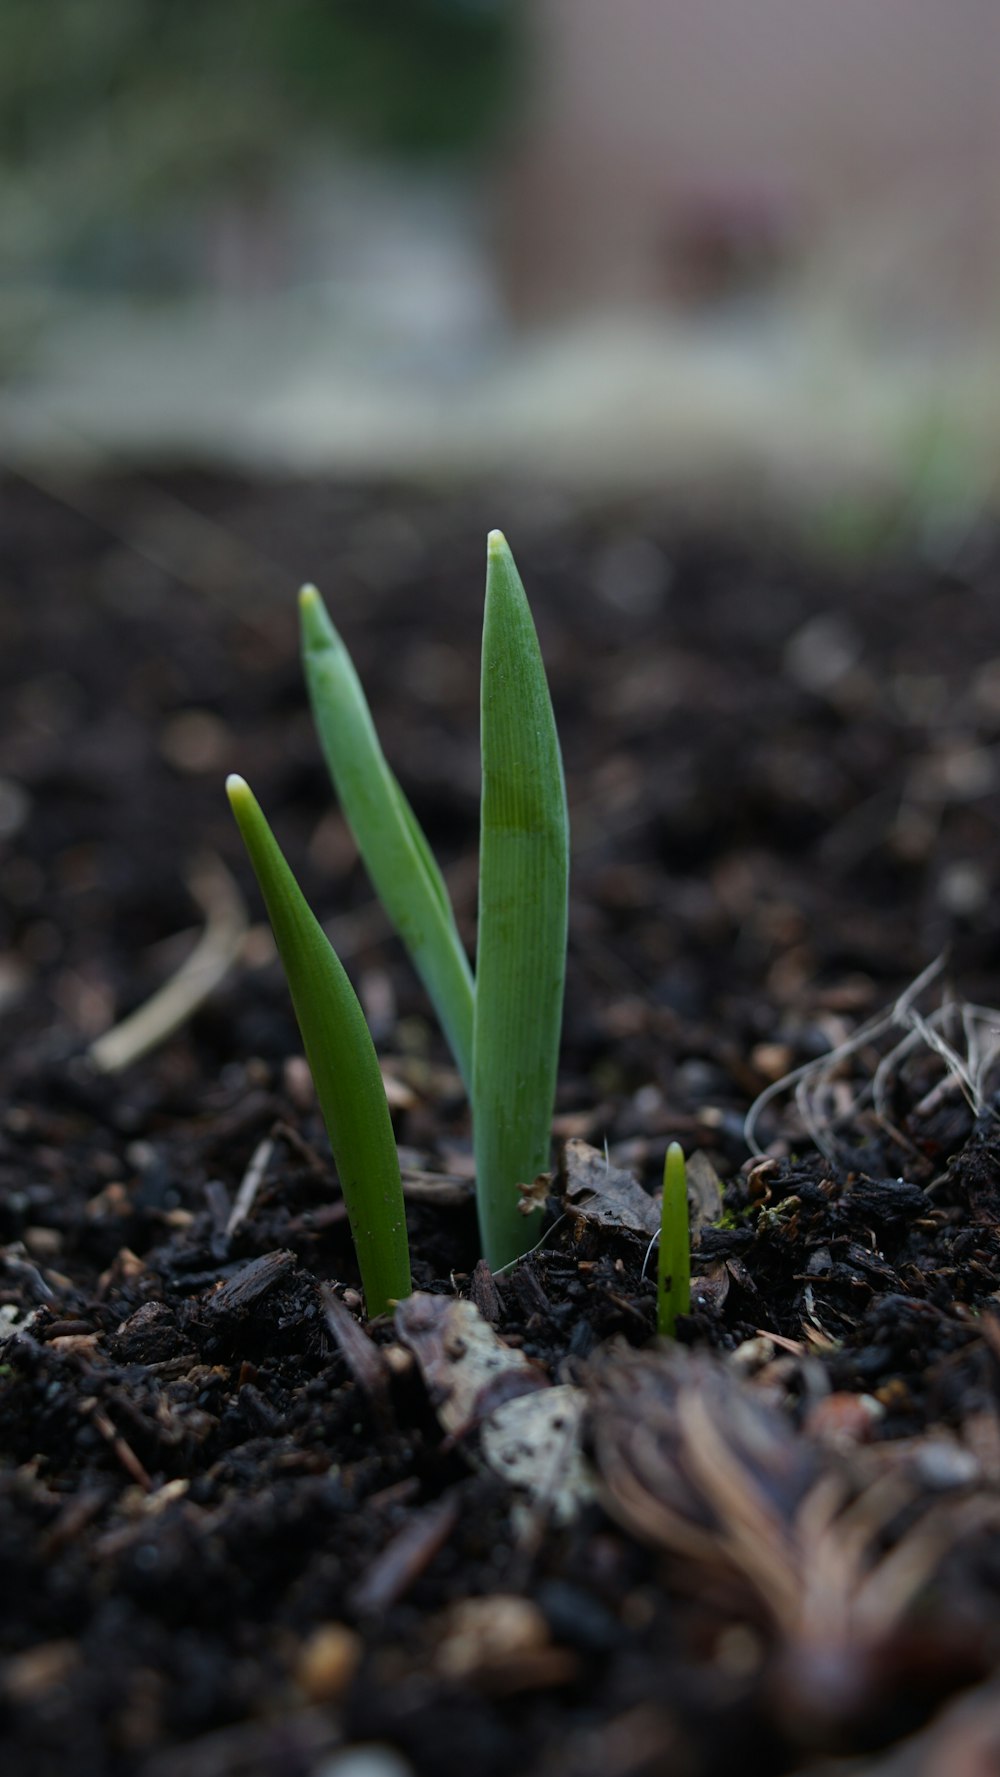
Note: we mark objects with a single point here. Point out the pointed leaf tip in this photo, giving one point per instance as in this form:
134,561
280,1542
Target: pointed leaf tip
317,629
342,1059
389,837
521,956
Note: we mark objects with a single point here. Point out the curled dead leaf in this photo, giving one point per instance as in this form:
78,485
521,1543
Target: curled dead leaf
596,1192
704,1193
468,1371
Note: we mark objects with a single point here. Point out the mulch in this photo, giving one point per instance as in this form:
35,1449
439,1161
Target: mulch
241,1532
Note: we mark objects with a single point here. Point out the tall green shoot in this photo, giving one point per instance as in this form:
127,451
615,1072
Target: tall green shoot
523,892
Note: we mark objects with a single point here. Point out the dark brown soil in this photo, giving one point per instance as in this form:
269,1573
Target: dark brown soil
235,1537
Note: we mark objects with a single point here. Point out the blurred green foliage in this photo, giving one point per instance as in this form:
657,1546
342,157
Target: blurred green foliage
405,75
409,75
120,107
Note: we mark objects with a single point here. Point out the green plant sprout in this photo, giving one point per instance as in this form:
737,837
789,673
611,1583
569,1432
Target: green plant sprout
523,894
343,1063
391,841
503,1027
673,1270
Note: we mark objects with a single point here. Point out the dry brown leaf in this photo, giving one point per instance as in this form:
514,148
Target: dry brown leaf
595,1191
530,1431
534,1443
468,1371
704,1193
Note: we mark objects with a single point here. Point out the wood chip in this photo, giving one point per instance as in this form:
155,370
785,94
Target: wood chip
29,1677
240,1293
406,1557
444,1190
485,1635
327,1662
484,1293
363,1358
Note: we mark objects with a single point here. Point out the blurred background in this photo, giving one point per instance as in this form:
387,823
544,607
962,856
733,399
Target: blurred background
297,290
744,249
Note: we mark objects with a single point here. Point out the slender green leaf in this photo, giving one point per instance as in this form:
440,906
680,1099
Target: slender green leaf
344,1065
673,1291
389,837
523,887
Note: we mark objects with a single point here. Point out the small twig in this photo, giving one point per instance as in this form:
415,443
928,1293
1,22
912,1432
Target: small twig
249,1185
290,1135
216,893
124,1452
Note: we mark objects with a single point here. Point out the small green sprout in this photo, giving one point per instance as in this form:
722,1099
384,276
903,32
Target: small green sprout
503,1027
343,1062
673,1283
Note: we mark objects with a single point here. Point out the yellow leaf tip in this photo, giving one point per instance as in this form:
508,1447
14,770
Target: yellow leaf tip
317,631
236,787
496,542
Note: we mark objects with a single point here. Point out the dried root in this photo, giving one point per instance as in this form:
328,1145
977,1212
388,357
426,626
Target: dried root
831,1093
